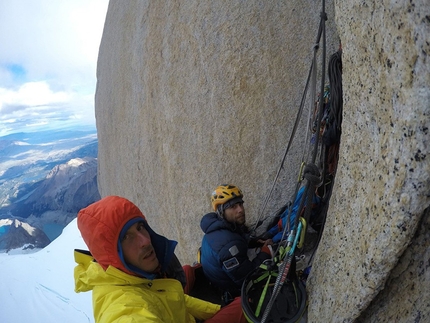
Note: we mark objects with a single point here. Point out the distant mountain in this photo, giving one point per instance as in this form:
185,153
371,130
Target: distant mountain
21,235
26,158
45,179
55,200
67,187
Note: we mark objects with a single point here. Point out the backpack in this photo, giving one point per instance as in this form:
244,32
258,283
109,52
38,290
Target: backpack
290,304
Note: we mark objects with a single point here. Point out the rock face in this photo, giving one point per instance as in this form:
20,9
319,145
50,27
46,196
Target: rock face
378,217
205,94
194,94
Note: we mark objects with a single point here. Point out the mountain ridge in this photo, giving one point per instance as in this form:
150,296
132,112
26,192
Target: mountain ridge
45,181
22,235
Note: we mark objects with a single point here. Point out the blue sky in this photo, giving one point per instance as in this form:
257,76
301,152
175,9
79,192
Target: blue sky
48,59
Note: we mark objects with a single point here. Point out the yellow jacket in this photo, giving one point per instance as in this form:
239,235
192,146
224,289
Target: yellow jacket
120,297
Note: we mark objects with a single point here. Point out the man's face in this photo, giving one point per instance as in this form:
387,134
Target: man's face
235,214
138,250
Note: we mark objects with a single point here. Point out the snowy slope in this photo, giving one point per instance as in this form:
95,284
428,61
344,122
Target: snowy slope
39,287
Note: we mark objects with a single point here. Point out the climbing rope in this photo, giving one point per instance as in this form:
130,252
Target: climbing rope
290,141
311,79
311,174
331,136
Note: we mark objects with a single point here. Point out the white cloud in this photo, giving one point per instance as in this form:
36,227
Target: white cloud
32,94
48,61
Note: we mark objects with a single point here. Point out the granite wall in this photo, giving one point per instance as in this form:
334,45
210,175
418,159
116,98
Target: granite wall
192,94
375,246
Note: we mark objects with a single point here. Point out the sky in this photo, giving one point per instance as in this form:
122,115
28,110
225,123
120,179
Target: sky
39,287
48,59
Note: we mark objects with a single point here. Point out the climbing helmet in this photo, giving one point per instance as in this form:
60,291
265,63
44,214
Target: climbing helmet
224,193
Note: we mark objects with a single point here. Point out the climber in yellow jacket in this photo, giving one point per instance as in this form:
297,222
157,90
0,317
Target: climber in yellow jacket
133,272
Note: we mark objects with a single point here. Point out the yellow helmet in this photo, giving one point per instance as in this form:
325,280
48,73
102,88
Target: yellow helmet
224,193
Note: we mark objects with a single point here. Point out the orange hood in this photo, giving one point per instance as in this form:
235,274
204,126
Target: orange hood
100,224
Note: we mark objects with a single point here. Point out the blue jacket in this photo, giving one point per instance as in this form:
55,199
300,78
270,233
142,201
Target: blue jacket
224,255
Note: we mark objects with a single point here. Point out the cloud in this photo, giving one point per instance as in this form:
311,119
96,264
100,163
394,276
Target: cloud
48,61
35,104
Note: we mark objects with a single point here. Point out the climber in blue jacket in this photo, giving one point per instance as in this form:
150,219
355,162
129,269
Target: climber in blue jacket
224,250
